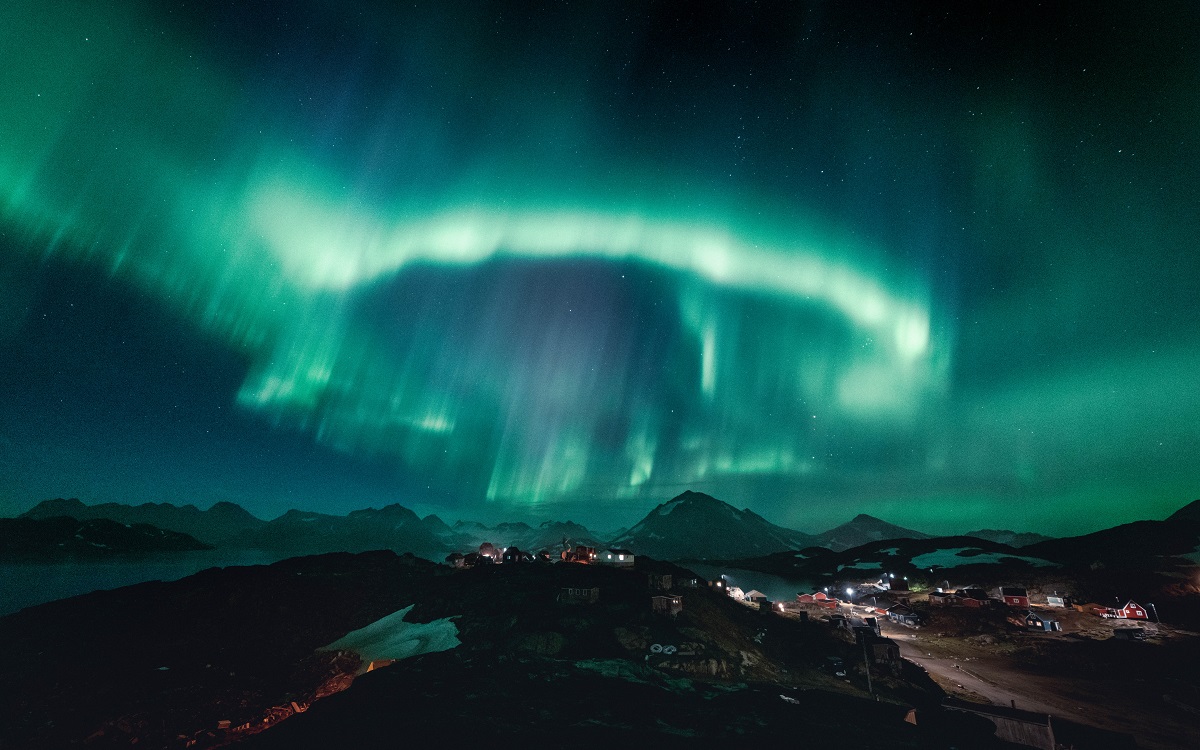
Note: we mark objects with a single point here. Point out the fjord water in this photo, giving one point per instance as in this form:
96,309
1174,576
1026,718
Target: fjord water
28,584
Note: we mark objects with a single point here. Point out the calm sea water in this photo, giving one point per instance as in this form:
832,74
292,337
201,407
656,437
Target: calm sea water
775,587
24,585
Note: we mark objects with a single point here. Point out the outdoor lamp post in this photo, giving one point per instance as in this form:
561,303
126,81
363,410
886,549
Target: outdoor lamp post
1155,611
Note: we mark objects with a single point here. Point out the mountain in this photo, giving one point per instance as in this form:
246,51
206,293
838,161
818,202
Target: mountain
392,527
64,538
546,536
1130,545
1189,512
217,525
861,530
697,526
1011,538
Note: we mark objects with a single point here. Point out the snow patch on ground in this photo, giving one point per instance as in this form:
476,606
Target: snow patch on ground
861,566
954,557
890,551
392,638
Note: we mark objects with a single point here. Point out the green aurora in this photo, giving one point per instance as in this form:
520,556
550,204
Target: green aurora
552,263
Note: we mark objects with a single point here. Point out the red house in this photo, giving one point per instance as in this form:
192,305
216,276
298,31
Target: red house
806,598
1015,597
1131,611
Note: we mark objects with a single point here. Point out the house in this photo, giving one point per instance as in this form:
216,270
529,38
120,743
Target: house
806,598
569,595
863,627
735,592
1017,598
903,615
579,554
756,596
514,555
1056,601
659,581
1034,621
456,560
1012,724
688,583
883,650
1131,611
974,598
880,604
820,596
620,558
1129,634
827,603
487,549
944,599
666,605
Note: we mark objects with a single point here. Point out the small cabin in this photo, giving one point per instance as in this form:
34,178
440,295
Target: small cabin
659,581
756,596
974,598
883,650
666,605
569,595
1034,621
1056,601
944,599
1017,598
903,615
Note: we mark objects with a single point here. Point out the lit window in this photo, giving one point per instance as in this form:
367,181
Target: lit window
619,557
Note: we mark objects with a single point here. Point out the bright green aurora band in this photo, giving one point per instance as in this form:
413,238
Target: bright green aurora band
500,301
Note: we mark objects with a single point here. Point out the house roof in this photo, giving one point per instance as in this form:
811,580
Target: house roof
616,551
755,593
979,594
1003,712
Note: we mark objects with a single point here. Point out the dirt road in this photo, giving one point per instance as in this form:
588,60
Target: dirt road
1115,705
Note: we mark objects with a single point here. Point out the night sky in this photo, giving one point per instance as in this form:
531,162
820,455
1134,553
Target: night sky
934,262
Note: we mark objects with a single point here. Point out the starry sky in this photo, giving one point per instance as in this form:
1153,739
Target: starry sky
935,262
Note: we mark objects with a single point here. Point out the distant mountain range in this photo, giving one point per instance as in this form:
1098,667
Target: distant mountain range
217,525
60,539
692,525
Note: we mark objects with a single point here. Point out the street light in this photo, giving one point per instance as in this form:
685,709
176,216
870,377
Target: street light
1155,611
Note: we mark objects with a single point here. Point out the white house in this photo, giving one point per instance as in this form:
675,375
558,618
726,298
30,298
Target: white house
621,558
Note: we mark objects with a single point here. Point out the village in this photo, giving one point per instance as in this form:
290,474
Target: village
965,637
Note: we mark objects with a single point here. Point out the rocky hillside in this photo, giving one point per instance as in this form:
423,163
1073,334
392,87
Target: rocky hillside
229,655
216,526
61,539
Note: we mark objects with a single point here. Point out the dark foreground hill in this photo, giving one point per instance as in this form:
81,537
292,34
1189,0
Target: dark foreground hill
495,653
63,539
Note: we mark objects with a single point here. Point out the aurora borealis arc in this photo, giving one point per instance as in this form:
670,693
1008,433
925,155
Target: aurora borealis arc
501,261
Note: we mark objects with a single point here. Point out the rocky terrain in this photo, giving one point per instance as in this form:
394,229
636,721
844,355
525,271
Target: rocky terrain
236,655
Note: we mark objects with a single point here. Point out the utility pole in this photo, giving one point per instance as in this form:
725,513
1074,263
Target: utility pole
867,664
